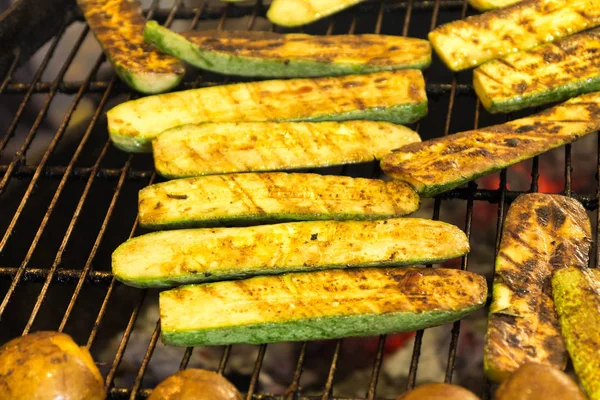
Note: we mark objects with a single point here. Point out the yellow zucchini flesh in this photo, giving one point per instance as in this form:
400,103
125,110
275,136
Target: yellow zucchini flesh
119,27
318,305
441,164
487,5
269,54
472,41
167,258
293,13
576,293
271,197
542,234
394,96
206,149
548,73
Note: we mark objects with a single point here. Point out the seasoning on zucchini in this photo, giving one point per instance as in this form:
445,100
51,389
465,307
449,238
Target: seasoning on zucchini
271,197
318,305
394,96
119,27
195,255
438,165
292,13
270,54
472,41
542,234
576,292
548,73
486,5
207,149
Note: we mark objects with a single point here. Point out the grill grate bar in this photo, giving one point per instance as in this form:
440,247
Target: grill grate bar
224,359
9,72
292,390
17,117
71,87
568,170
142,370
256,371
376,367
328,390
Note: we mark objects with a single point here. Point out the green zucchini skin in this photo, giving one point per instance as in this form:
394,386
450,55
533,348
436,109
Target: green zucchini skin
393,96
262,54
220,148
549,73
438,165
118,26
235,199
318,305
293,13
167,258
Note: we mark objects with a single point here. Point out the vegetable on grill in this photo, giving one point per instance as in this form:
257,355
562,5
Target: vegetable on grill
548,73
472,41
533,381
119,27
195,384
542,234
207,149
318,305
195,255
293,13
270,54
576,294
48,365
438,391
438,165
394,96
271,197
486,5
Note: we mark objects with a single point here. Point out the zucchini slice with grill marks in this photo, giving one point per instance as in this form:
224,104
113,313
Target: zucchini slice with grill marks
195,255
548,73
438,165
269,54
271,197
301,12
208,149
318,305
394,96
576,293
487,5
542,234
119,27
472,41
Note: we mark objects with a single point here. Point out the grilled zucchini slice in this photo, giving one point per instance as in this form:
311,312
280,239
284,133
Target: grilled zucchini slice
542,234
271,197
196,255
207,149
548,73
394,96
293,13
318,305
486,5
119,27
470,42
438,165
576,293
269,54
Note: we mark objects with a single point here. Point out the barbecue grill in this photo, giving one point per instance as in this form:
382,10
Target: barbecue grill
68,197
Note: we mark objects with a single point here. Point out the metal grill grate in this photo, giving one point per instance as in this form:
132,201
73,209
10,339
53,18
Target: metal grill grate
68,198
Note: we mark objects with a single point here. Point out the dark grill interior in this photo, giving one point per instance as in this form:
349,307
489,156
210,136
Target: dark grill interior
68,197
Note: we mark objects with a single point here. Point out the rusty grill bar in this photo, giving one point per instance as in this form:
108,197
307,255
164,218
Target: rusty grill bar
33,195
